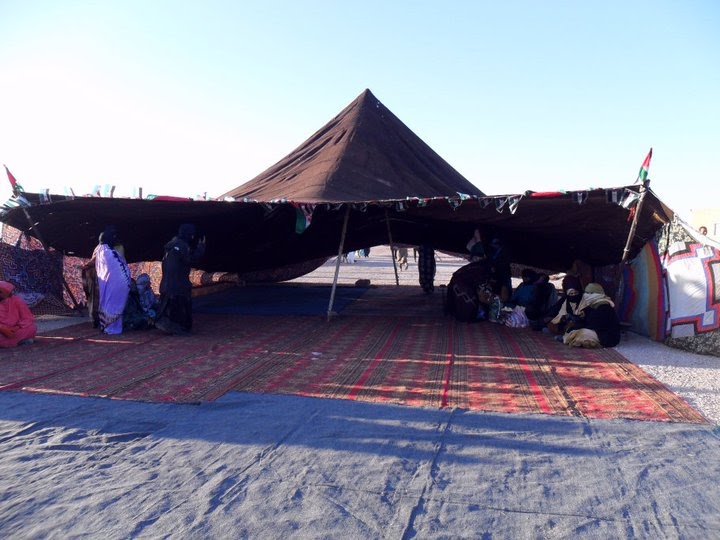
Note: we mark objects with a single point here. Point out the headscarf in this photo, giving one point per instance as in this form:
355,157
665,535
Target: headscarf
594,296
187,232
571,282
143,281
7,287
594,288
145,294
573,297
108,236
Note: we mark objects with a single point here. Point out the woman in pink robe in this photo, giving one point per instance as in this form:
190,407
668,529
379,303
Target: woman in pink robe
114,280
17,324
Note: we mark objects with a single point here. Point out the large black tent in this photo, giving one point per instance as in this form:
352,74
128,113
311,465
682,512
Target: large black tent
366,173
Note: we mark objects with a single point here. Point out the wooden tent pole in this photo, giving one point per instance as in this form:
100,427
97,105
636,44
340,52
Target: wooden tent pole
341,248
45,247
633,227
392,252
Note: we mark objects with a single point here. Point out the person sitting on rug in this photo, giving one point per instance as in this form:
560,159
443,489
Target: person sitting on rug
598,324
148,299
134,316
17,324
566,306
524,293
541,308
175,311
462,300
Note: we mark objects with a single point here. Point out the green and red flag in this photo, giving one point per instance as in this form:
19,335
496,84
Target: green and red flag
11,178
643,174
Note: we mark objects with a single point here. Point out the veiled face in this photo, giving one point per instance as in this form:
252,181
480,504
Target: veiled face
575,297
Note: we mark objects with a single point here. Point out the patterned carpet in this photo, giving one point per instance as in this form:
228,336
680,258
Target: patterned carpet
418,360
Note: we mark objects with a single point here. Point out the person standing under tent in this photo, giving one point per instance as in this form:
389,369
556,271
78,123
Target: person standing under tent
90,281
402,257
175,311
426,267
113,277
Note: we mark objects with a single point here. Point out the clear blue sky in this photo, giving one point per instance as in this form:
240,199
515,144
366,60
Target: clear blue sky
190,97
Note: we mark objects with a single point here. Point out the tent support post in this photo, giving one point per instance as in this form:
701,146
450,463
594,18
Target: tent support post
392,252
45,247
633,227
341,248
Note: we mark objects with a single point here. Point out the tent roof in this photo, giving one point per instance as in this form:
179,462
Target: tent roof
548,230
367,166
365,153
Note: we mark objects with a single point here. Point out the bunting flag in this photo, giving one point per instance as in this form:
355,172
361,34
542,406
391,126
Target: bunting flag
630,199
643,174
303,217
614,195
513,203
580,196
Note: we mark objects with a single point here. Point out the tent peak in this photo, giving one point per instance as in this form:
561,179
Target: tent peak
365,153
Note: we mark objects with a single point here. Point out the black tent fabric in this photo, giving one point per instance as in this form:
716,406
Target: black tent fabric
367,166
363,154
549,231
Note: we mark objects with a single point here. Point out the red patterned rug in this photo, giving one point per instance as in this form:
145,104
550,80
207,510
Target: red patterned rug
417,360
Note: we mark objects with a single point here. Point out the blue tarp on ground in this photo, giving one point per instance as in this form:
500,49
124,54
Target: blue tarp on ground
274,299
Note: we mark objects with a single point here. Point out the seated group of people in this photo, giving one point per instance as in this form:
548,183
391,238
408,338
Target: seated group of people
578,317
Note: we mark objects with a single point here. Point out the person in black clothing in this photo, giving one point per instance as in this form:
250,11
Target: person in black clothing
175,311
426,267
598,324
462,299
541,308
564,310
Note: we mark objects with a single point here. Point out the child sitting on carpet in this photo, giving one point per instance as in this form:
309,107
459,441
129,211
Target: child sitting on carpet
148,299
